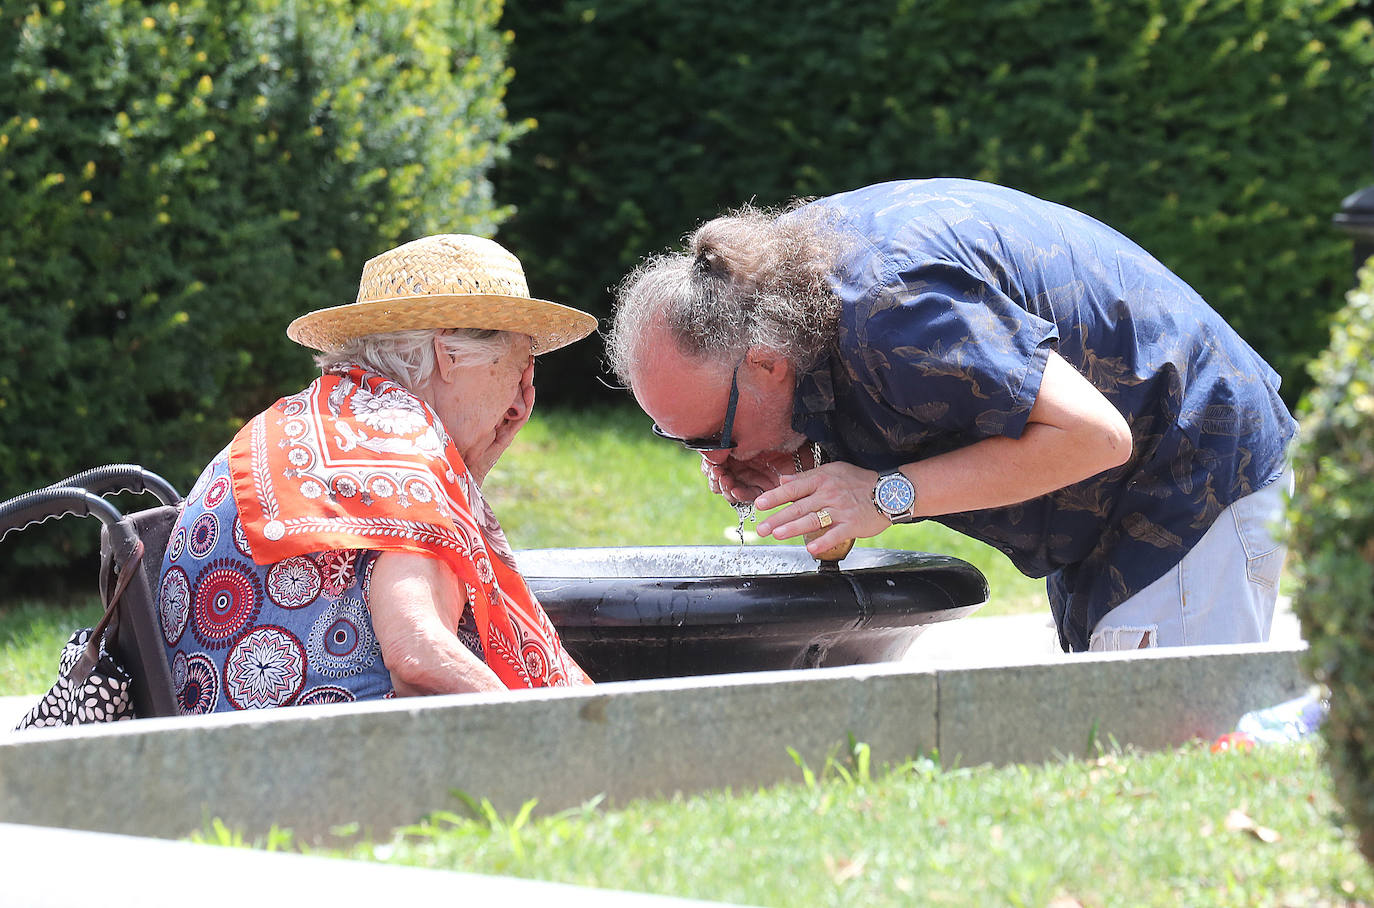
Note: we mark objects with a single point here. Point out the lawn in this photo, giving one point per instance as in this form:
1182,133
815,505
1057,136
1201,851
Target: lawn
1184,827
31,636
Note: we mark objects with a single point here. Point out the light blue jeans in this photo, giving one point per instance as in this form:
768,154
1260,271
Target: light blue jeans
1224,589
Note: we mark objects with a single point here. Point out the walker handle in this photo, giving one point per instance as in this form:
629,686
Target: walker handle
31,508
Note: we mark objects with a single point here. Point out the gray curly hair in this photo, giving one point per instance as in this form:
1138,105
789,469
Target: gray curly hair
407,357
750,278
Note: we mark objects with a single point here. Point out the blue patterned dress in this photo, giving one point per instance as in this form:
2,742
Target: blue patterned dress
246,636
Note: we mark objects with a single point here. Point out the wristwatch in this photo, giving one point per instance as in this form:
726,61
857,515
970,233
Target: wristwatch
895,497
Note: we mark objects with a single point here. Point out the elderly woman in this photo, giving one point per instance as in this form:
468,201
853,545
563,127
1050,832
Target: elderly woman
340,548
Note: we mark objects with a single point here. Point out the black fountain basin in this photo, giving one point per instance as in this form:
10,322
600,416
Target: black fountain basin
669,611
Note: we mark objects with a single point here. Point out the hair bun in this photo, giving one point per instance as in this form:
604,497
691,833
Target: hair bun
705,261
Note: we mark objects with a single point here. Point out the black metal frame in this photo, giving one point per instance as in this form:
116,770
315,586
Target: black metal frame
135,635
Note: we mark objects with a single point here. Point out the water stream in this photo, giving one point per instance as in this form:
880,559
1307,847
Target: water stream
745,510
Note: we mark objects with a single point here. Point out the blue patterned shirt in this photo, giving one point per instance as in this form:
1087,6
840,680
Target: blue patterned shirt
952,297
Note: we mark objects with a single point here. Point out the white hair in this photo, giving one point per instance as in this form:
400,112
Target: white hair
407,357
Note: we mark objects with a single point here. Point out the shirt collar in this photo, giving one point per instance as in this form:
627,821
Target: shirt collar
813,406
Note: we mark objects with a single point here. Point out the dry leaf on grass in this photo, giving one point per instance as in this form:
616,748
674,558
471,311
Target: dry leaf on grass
1239,821
844,869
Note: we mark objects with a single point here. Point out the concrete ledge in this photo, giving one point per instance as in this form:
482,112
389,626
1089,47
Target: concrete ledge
388,763
385,764
152,874
1152,699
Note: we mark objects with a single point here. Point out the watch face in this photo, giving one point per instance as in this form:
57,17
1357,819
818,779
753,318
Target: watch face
896,494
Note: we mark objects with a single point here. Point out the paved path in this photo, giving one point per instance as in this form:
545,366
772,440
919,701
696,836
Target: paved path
1017,639
153,873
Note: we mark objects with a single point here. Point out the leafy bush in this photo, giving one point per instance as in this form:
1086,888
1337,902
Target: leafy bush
1220,135
179,180
1333,541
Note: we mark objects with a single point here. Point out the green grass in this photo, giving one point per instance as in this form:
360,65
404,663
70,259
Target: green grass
601,478
31,637
1125,829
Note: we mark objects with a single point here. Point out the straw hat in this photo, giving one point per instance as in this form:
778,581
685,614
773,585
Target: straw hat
444,281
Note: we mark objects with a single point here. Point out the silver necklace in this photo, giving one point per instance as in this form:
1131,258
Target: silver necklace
816,457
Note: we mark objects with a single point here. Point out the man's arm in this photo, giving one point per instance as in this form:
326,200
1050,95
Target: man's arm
1073,432
416,605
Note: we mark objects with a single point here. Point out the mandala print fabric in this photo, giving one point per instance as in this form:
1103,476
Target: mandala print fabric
240,635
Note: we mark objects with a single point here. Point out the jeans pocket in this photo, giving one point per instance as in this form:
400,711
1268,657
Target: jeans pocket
1258,519
1265,569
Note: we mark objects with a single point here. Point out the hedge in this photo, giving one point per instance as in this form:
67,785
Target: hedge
1220,134
1333,545
179,180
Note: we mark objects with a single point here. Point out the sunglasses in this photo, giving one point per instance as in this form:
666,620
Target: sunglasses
719,442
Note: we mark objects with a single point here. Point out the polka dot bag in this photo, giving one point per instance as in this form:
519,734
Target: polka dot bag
91,685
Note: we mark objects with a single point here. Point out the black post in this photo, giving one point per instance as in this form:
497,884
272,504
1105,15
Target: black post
1356,218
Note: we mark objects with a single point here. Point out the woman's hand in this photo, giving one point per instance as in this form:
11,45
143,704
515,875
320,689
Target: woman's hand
843,490
512,421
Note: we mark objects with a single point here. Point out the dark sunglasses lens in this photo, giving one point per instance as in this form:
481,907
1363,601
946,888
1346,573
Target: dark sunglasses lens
694,444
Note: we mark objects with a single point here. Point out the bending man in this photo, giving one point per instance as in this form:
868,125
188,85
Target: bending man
1009,367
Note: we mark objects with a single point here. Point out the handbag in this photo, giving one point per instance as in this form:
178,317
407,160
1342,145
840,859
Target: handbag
91,685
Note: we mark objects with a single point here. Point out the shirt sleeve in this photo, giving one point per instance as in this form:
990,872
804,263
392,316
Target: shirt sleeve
953,352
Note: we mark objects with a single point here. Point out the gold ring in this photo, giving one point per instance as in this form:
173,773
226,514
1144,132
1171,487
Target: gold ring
823,518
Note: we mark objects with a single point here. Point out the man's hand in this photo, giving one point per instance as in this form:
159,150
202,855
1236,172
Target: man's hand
745,480
843,490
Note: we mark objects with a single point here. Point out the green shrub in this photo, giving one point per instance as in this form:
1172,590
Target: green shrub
1221,135
1333,546
179,180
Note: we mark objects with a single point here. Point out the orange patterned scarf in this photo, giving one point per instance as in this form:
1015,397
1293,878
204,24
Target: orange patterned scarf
355,461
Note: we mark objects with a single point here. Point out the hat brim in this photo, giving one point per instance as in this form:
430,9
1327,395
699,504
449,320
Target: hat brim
551,325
